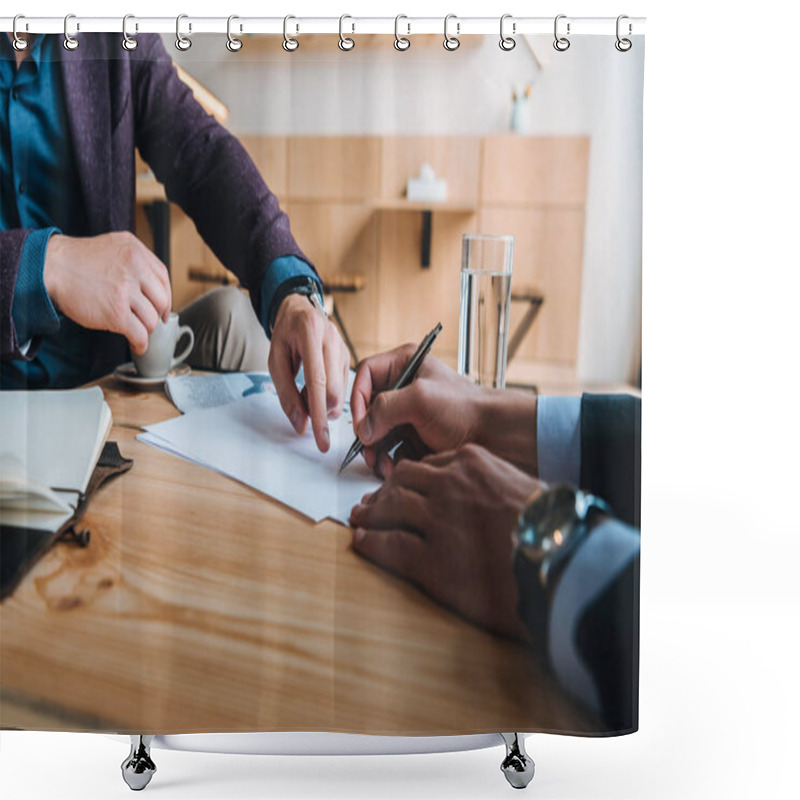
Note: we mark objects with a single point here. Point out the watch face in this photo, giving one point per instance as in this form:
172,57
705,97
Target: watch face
546,523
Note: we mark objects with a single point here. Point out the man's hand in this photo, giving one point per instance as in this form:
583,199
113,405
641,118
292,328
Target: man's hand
109,282
301,335
437,411
446,523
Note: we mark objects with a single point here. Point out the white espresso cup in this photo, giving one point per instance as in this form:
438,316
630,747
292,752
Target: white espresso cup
160,358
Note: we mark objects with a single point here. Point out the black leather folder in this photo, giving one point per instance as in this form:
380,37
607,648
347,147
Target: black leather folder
21,548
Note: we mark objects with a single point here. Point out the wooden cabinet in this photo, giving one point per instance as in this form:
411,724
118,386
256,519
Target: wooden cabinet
345,199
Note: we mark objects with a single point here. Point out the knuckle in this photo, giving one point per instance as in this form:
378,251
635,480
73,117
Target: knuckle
119,301
407,350
470,451
422,390
332,395
316,380
379,406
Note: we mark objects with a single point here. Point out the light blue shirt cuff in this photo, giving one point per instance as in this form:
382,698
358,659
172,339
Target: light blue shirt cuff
558,434
281,269
32,311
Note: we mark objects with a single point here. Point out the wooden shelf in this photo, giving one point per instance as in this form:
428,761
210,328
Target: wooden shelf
426,205
426,208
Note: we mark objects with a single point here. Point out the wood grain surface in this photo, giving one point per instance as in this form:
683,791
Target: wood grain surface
202,605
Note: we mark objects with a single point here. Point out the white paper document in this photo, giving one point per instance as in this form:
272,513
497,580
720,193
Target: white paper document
252,441
190,392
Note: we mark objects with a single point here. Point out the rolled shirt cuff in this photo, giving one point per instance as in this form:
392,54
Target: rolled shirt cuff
282,269
558,432
32,311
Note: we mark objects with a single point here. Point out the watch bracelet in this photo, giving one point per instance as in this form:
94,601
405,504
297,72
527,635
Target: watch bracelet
300,284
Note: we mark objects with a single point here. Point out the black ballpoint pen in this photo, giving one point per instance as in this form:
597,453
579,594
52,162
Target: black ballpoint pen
405,378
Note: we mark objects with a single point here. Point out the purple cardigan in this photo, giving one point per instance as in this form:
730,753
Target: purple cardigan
116,100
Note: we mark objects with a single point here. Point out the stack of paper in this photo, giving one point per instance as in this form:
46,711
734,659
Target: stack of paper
251,440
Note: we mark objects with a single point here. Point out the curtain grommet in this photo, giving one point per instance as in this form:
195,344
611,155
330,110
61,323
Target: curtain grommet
451,43
233,44
70,42
128,42
182,43
560,43
507,43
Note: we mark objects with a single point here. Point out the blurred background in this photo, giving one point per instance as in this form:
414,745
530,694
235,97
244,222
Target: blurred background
542,145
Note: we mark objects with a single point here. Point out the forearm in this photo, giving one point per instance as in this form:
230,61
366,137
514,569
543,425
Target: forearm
508,428
207,172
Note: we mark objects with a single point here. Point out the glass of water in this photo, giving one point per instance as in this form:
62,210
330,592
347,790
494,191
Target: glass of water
486,263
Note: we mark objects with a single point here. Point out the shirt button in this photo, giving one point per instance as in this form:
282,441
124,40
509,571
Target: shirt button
15,94
22,187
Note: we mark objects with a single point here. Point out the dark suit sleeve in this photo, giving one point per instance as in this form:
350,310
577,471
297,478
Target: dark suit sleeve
588,630
611,452
206,171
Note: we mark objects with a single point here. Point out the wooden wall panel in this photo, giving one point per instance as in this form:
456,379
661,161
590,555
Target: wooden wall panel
456,158
533,188
186,250
540,170
562,257
344,168
548,250
343,238
413,299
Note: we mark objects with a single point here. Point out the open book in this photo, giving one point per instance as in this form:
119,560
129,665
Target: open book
50,442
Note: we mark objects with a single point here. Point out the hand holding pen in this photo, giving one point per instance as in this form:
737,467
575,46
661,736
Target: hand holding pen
405,378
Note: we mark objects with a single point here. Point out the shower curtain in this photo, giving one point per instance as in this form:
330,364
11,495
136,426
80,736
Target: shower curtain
485,576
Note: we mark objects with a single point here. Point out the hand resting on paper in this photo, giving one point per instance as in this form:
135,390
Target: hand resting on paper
302,335
445,523
438,411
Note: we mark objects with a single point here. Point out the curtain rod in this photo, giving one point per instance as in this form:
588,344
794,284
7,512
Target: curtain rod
407,26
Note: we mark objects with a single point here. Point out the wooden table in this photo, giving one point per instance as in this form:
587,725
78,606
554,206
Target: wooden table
202,605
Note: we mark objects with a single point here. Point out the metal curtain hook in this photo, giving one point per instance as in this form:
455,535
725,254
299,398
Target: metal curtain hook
623,45
128,42
345,42
233,44
182,42
401,42
561,43
19,43
451,42
70,42
289,44
507,42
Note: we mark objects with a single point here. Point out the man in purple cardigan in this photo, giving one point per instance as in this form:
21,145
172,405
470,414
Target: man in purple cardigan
78,289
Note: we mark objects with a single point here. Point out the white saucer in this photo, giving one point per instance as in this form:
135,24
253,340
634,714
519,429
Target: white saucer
127,374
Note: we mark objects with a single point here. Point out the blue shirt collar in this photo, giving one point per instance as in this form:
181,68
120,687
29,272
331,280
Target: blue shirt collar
35,50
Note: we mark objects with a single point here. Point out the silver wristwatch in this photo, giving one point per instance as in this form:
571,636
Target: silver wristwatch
550,529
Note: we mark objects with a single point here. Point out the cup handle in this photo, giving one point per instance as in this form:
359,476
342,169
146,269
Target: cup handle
184,330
